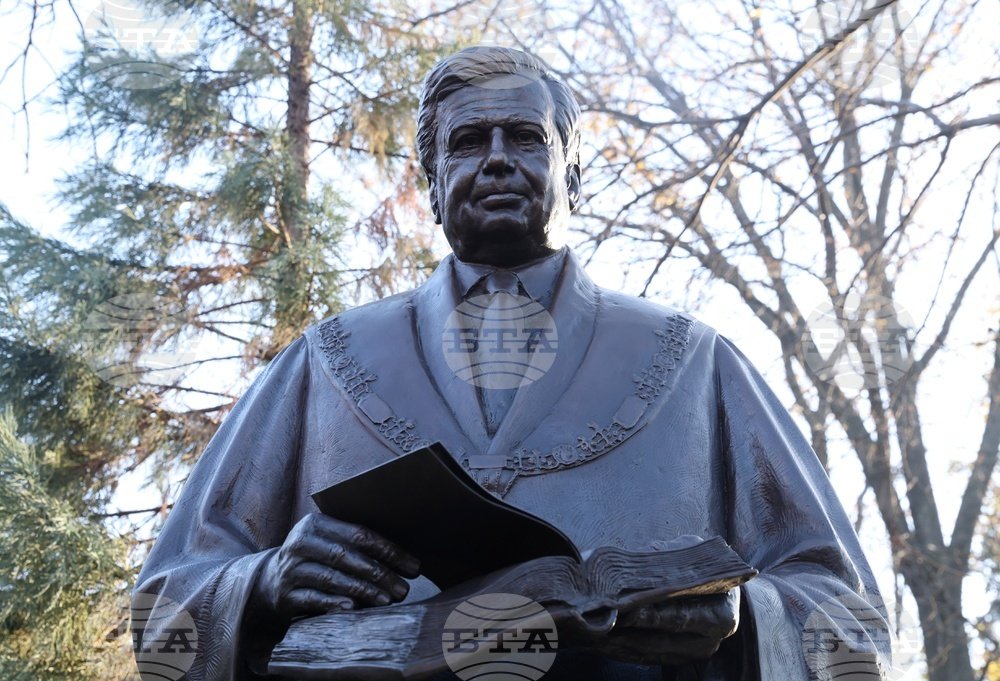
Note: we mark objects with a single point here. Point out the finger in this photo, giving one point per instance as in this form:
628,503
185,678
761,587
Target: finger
369,542
347,559
642,646
305,601
335,582
647,617
713,617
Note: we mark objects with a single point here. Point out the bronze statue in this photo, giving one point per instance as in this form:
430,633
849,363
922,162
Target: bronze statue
645,427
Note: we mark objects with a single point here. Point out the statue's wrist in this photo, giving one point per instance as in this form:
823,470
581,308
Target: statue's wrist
262,601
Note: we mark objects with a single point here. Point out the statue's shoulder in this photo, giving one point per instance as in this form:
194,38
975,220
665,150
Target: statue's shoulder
376,310
376,316
638,313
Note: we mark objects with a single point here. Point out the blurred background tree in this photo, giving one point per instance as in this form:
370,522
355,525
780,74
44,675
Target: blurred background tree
199,217
209,229
63,581
825,162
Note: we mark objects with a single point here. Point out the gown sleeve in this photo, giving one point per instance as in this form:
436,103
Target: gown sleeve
191,594
814,609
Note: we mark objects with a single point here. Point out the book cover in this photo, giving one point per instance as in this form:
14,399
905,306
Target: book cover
425,502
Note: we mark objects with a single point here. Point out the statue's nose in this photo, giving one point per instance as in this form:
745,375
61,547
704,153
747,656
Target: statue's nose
498,160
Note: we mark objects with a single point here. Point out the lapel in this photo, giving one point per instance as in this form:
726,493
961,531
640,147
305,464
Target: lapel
433,303
372,354
574,311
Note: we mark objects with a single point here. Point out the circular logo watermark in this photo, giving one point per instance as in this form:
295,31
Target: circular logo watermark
500,340
164,637
499,637
498,24
872,45
116,330
846,639
858,341
135,49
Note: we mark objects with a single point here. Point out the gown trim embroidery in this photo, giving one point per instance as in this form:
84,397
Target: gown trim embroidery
498,474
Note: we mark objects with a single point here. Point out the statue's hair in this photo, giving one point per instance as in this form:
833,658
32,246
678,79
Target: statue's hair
492,67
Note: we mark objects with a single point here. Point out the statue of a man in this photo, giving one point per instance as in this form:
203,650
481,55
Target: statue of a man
641,426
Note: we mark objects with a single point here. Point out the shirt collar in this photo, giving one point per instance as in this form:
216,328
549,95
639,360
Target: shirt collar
538,277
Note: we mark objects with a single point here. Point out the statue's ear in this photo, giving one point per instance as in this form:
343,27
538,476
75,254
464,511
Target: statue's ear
435,207
573,185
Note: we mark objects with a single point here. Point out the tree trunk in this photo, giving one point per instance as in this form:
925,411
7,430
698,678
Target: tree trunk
293,295
938,591
300,64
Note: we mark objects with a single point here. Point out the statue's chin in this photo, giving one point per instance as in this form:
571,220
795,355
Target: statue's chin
505,238
502,224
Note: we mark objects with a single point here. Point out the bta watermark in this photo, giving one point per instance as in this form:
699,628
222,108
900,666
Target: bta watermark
499,637
859,341
116,331
873,46
848,638
164,637
488,23
132,48
500,340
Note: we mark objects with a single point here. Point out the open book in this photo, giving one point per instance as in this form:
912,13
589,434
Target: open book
472,544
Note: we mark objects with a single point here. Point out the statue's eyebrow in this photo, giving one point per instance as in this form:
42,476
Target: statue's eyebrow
484,123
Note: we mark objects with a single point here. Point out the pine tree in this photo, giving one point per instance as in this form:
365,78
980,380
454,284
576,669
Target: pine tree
214,210
61,577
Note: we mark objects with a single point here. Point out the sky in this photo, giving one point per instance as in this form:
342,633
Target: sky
34,161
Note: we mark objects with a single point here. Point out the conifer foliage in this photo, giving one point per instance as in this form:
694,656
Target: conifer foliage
215,219
61,588
213,209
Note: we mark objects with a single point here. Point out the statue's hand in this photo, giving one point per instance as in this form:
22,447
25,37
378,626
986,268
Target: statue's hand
675,632
326,564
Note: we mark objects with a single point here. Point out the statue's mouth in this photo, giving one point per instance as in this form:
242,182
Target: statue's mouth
501,200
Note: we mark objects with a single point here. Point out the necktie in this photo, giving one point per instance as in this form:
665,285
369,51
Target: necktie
495,390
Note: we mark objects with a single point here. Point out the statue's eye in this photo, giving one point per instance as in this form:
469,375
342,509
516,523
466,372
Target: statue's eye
528,137
467,140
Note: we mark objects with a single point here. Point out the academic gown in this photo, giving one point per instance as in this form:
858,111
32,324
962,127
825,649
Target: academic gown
648,426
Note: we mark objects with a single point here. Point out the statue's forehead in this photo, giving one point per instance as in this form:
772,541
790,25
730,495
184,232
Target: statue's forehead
477,106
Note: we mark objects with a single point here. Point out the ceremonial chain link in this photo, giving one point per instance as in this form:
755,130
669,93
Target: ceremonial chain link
672,341
356,381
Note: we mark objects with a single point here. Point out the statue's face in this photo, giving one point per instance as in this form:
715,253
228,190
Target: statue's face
501,184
